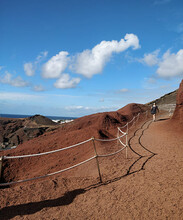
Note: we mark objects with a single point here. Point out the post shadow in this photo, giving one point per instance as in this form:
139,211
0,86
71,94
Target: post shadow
33,207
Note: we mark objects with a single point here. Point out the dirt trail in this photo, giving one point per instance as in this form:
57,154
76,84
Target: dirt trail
147,185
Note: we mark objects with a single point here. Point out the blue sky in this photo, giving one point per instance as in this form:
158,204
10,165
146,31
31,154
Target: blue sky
78,57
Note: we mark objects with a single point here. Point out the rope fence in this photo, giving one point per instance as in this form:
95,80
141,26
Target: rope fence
49,152
49,174
118,138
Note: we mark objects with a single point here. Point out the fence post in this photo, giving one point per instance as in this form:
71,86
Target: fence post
1,164
100,177
135,122
127,128
118,137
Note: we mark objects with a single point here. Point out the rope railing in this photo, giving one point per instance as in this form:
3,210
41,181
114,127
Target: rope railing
49,174
107,155
114,139
118,138
49,152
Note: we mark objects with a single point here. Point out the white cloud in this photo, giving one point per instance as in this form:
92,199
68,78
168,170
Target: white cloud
88,108
101,100
124,90
171,65
41,56
75,107
55,66
179,28
91,62
38,88
17,82
1,67
151,80
151,59
29,69
65,82
13,96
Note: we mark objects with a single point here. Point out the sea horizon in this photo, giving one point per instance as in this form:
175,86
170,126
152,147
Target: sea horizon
26,116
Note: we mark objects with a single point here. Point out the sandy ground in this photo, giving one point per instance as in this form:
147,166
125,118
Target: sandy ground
147,185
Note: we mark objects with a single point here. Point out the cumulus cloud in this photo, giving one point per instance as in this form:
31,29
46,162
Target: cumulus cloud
55,66
91,62
17,82
65,82
151,59
29,69
171,65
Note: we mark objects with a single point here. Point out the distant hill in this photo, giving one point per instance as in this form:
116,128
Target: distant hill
16,131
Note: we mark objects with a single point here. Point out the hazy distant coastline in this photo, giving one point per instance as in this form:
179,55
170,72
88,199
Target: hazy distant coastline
26,116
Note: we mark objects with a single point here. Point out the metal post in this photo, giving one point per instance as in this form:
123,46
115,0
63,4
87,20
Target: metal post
100,177
1,164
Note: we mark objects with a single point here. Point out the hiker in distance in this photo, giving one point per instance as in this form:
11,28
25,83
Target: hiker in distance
154,110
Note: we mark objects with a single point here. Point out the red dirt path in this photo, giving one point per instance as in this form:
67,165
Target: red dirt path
148,187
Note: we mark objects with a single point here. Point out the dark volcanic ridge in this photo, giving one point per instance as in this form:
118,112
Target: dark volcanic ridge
16,131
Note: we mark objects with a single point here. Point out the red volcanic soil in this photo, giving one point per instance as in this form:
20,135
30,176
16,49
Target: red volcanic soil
100,125
146,185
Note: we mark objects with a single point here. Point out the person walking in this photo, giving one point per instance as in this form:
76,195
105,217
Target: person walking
154,110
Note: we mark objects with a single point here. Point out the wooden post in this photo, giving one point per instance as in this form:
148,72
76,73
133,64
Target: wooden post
127,128
138,117
100,177
118,137
1,164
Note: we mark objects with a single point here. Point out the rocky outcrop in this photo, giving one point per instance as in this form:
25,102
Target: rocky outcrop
166,102
16,131
178,113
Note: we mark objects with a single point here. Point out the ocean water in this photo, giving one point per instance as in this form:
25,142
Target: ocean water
26,116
